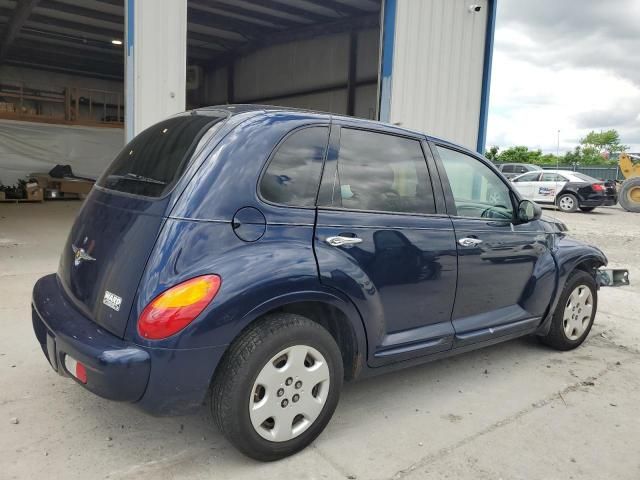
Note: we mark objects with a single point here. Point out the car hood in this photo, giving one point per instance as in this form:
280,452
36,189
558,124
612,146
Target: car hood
553,225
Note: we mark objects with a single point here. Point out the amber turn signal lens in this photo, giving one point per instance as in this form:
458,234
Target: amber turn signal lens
174,309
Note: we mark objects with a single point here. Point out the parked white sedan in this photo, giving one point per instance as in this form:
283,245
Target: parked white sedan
566,189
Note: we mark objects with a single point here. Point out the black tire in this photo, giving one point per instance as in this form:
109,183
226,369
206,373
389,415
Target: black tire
587,209
574,202
557,338
240,367
629,203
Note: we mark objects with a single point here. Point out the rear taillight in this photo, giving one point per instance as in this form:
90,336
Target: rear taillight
596,187
175,308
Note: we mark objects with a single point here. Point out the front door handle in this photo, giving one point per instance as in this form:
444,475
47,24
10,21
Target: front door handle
339,241
469,242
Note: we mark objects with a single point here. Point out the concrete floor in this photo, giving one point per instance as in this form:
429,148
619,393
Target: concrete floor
514,411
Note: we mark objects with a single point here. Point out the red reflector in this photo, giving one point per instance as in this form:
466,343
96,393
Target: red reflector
596,187
81,372
75,368
174,309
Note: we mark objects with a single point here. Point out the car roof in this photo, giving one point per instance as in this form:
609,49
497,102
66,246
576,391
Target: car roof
562,172
236,109
567,173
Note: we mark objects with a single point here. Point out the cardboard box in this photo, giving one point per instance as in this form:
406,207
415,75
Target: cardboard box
64,185
42,179
34,192
75,186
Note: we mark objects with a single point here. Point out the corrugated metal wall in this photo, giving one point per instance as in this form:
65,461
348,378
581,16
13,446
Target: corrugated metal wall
319,63
438,67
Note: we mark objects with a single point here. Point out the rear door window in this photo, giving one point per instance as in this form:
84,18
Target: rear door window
552,177
155,159
293,175
378,172
508,168
529,177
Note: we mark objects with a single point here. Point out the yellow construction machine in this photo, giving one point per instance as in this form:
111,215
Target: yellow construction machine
629,195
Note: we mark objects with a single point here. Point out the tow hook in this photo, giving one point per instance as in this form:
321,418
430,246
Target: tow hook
612,277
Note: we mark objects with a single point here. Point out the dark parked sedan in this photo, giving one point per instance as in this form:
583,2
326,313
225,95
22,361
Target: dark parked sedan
257,257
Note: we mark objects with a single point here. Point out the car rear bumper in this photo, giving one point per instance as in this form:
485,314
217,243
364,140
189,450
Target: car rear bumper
116,369
599,202
160,381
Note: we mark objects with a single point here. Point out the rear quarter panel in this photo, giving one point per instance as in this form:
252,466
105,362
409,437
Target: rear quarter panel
253,273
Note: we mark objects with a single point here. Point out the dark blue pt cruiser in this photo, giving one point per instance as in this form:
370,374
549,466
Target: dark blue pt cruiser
254,257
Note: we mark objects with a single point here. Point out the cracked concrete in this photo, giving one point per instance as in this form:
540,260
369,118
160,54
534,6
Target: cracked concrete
513,411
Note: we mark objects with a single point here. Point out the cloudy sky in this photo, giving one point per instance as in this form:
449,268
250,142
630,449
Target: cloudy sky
568,65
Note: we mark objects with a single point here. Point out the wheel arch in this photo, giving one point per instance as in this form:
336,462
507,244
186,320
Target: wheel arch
567,190
332,311
571,256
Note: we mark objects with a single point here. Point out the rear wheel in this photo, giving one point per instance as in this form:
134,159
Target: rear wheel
575,312
567,202
587,209
629,196
278,386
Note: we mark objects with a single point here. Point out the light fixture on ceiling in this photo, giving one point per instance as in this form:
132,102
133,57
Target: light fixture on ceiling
116,42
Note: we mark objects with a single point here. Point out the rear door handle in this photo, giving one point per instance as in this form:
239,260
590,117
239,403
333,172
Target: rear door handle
339,241
469,242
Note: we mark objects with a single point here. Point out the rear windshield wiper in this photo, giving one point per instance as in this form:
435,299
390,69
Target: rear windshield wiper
139,178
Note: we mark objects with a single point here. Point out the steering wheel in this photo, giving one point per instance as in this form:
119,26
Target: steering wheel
485,213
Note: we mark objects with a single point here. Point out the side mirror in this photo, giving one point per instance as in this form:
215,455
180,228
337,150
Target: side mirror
528,211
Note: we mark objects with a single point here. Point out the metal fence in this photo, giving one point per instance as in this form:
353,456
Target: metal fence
601,173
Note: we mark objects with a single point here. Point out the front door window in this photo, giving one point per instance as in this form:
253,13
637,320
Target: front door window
477,190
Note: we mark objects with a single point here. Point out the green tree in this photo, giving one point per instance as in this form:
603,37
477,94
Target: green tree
517,154
549,159
607,141
492,154
522,154
587,155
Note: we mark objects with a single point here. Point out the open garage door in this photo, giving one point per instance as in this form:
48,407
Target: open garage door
423,64
321,55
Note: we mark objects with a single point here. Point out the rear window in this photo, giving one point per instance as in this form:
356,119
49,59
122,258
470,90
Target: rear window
152,162
586,178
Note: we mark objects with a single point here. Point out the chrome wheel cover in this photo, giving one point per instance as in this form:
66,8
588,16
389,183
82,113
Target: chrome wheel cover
289,393
577,312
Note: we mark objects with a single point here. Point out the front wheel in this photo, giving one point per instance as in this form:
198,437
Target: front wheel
575,312
278,386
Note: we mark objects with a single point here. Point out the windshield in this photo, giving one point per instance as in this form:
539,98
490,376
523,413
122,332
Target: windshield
154,160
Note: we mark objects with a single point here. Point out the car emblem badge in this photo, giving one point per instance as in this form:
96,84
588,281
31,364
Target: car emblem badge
80,255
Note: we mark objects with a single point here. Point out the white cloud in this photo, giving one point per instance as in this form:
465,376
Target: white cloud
546,79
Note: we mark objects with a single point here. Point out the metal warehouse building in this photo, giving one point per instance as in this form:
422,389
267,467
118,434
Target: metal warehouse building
79,77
